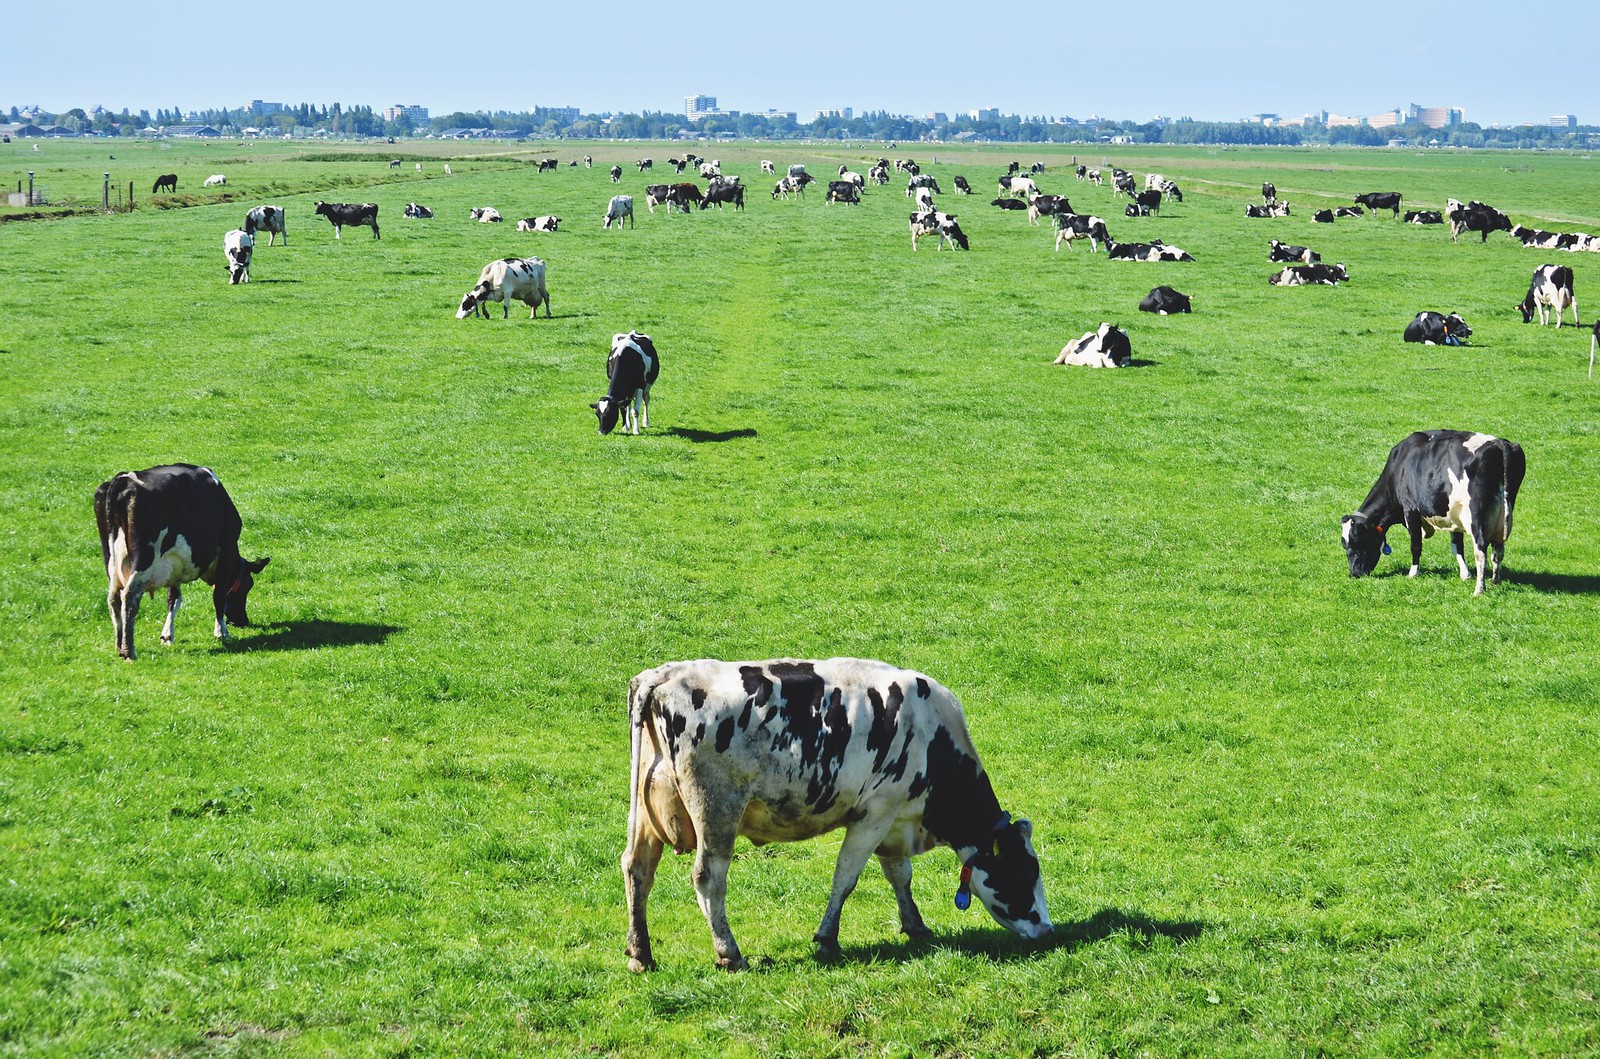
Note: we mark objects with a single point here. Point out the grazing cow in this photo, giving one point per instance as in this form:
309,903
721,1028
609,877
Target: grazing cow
1276,209
510,279
486,215
1269,192
1035,169
215,180
546,223
394,163
162,528
632,368
1072,226
616,174
1164,301
643,164
879,175
1476,217
167,181
1047,206
269,219
1013,168
355,215
1348,211
843,191
922,182
681,196
1277,251
1423,217
784,750
962,187
548,164
1018,185
1155,250
1380,200
797,171
1154,181
1008,204
1172,191
852,178
788,187
1123,182
1440,480
655,195
1322,217
1436,329
1551,288
1081,172
417,212
1106,348
1095,178
924,199
238,245
723,191
768,168
619,207
942,226
1303,275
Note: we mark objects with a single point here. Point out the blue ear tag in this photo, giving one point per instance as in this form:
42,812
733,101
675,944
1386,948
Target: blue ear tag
964,892
1386,548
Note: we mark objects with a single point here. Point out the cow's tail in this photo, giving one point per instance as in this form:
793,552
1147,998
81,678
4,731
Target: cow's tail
639,711
1516,467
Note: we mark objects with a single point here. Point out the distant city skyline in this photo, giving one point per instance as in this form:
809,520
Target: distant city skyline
1219,62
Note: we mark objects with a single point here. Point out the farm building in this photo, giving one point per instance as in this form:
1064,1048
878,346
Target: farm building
191,131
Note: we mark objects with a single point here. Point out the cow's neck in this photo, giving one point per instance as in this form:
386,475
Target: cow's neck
962,808
1381,508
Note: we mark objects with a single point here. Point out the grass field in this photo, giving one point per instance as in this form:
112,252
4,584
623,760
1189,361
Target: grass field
1280,812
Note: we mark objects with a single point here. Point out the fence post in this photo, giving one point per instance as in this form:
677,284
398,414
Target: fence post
130,196
105,193
30,187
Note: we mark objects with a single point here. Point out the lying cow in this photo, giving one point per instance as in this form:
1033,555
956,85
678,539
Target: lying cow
269,219
546,223
1423,217
355,215
1436,329
1533,238
415,211
1380,200
1551,288
1164,301
1155,250
785,750
1348,211
1133,209
1322,217
619,207
1010,204
1303,275
238,246
942,226
1276,209
486,215
510,279
1277,251
632,368
1073,226
1440,480
162,528
1106,348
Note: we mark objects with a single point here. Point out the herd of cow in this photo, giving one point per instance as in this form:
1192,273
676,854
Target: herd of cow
785,749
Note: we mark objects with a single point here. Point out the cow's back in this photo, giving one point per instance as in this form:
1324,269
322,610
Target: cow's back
150,509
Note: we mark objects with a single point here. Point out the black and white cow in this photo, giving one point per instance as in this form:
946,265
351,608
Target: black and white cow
1423,217
1073,226
797,171
1475,217
162,528
1172,191
520,279
879,175
1269,192
1018,185
1095,178
546,164
1164,301
1276,209
417,212
789,188
355,215
1348,211
1380,200
921,181
1047,206
616,174
1155,250
962,187
1150,200
239,245
1277,251
843,191
1533,238
485,214
1107,347
269,219
643,164
655,195
547,223
1010,204
1303,275
1551,289
1013,168
1436,329
1322,217
619,207
942,226
632,367
768,168
723,191
1133,209
784,750
1440,480
588,161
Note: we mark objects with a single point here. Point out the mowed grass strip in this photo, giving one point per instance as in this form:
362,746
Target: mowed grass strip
1280,811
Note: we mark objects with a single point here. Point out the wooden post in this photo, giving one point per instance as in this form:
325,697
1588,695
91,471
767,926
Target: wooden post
30,186
130,196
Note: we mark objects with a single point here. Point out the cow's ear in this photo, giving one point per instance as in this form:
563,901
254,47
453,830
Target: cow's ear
258,565
1026,830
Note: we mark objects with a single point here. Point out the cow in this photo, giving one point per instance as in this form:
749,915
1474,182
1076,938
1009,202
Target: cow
942,226
1533,238
486,215
1154,181
784,750
924,199
1018,185
1172,191
415,211
394,163
616,174
1013,168
1106,348
1010,204
655,195
1276,209
340,214
843,191
505,281
447,169
215,180
643,164
1436,329
1476,217
1133,209
1304,275
237,247
962,187
767,168
708,170
681,195
1269,192
546,223
1423,217
166,181
1081,172
1123,182
1322,217
922,182
879,175
1440,480
620,206
1347,211
588,161
162,528
632,367
852,178
1551,289
1047,206
1095,178
788,187
269,219
548,164
797,171
1155,250
723,191
1073,226
1164,301
1380,200
1277,251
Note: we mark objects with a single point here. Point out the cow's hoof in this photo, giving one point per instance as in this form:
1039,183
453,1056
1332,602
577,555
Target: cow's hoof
167,640
827,950
737,963
640,966
917,933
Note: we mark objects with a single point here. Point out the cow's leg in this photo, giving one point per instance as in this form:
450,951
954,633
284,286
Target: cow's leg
644,406
639,862
898,871
130,610
1457,539
715,810
1499,554
1479,560
114,605
1414,529
859,844
174,601
219,600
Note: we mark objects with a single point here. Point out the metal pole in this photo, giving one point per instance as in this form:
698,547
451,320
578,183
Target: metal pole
130,196
30,187
105,193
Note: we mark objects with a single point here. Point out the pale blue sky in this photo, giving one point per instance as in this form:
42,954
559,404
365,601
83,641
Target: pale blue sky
1215,61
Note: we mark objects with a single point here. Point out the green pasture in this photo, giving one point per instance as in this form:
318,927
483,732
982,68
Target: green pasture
1280,812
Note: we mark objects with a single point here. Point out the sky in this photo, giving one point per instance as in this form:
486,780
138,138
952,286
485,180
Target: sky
1210,61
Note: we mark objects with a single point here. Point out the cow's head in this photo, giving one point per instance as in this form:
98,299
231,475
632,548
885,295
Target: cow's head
1527,306
1004,873
606,411
471,301
1455,327
239,591
1363,543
